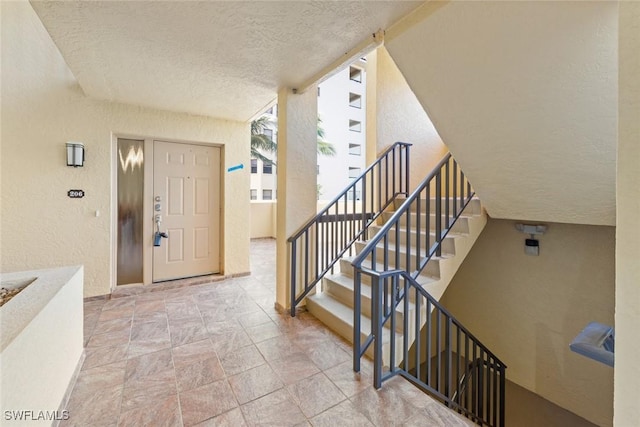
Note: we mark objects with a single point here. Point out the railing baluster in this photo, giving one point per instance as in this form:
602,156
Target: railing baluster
417,319
438,217
447,362
446,194
428,340
502,392
293,279
454,184
438,349
376,290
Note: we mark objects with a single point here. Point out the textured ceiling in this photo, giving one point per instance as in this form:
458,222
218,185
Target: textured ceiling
525,95
222,59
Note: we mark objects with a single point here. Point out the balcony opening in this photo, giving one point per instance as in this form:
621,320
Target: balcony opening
355,74
355,100
355,149
355,126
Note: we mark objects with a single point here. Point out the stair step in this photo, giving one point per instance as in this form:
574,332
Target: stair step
432,269
340,287
339,318
347,269
448,244
473,208
461,226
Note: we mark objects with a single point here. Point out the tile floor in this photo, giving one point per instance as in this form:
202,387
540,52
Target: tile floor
219,354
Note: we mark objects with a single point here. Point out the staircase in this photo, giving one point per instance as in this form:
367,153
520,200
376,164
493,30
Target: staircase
383,264
334,304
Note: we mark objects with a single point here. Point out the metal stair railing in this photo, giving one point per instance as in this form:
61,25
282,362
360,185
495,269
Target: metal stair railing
445,360
393,283
318,245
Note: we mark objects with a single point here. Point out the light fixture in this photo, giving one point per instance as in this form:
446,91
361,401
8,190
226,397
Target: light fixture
531,246
75,154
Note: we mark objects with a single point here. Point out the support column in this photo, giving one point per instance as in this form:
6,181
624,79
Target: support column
297,160
626,407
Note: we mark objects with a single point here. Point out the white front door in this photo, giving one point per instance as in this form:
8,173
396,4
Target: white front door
186,192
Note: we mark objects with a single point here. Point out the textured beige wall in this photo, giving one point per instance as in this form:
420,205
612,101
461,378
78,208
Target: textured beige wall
42,109
297,160
263,219
627,373
528,309
516,89
394,114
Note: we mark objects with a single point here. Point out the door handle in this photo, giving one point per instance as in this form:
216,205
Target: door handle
158,238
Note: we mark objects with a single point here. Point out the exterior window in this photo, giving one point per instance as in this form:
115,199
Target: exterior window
267,194
267,168
254,194
269,111
354,172
317,169
268,133
355,126
355,74
355,149
355,100
254,166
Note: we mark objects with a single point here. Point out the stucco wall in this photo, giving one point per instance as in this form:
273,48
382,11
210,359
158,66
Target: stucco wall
627,372
524,93
394,114
42,109
528,309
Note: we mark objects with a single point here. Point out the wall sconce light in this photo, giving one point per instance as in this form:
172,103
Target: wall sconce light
75,154
531,246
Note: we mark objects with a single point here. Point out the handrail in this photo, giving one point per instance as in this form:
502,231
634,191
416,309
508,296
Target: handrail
316,247
443,349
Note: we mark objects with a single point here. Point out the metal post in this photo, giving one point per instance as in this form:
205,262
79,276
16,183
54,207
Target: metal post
376,328
293,278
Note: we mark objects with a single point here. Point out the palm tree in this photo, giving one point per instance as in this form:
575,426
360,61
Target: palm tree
262,143
324,148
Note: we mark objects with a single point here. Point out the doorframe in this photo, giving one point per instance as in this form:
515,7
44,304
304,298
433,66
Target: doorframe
147,209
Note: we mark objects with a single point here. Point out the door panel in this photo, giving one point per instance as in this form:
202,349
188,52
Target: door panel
187,180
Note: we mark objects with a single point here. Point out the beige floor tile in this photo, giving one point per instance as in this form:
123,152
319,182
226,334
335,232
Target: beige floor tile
263,332
348,381
327,355
196,364
344,414
114,325
233,418
109,339
275,409
277,348
162,413
294,367
254,383
315,394
241,360
206,402
98,356
184,331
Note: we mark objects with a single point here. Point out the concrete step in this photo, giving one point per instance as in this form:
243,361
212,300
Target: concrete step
339,318
432,269
347,269
448,244
340,287
473,208
461,226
